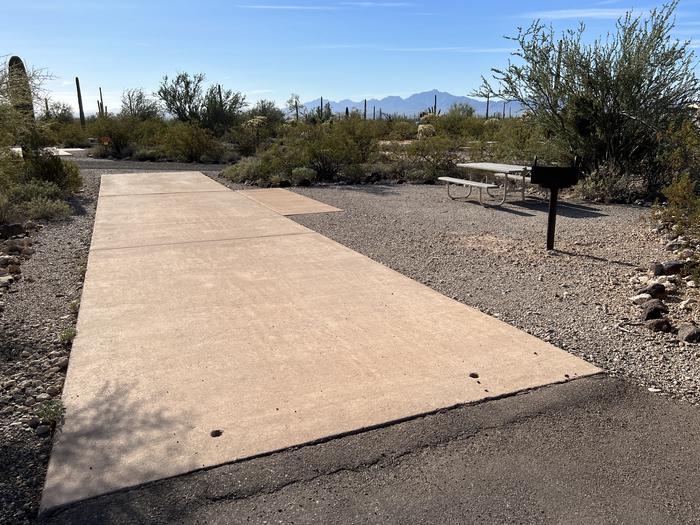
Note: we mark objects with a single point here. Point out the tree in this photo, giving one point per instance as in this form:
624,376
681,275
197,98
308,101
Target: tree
610,101
136,104
183,96
221,108
295,107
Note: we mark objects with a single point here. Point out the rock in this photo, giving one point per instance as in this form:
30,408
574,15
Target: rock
671,267
6,281
8,260
691,284
53,390
659,325
43,397
640,299
653,309
685,305
656,290
33,422
62,363
11,230
42,430
654,390
686,254
689,333
656,268
674,245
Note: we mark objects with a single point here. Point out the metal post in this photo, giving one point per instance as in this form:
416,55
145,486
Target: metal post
552,221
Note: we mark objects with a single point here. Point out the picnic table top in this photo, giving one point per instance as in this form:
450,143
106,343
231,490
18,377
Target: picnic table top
494,167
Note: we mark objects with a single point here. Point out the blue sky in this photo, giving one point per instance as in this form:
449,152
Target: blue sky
270,48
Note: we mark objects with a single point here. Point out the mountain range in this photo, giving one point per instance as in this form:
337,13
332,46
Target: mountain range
416,104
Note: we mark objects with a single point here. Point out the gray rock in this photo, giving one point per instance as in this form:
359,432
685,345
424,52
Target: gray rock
42,430
672,267
33,422
656,268
674,245
653,309
11,230
656,290
53,390
689,333
659,325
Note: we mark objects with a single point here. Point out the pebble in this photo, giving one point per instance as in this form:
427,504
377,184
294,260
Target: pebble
42,430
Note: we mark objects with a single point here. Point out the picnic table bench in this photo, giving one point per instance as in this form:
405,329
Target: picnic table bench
505,173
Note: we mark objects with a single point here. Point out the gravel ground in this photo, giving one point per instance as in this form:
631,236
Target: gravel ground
493,259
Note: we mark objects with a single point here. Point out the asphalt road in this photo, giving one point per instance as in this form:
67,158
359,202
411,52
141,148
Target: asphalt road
594,450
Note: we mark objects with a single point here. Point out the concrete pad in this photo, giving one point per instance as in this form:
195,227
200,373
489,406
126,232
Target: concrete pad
287,202
157,182
150,219
275,340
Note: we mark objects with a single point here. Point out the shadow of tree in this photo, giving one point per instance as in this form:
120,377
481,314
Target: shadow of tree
117,439
564,209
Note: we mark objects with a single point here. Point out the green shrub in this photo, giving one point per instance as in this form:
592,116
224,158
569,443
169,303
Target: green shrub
682,207
245,170
44,208
190,142
303,176
67,335
51,413
50,168
71,135
403,130
434,156
34,189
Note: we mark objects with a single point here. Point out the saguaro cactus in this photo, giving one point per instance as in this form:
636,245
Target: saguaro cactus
80,103
20,95
435,105
365,112
102,104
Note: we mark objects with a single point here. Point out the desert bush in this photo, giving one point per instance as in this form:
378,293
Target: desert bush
303,176
245,170
44,208
613,99
190,142
433,156
116,135
682,207
70,135
403,130
49,168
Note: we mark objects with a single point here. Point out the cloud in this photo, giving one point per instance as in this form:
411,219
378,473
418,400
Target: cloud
467,50
609,13
376,4
289,7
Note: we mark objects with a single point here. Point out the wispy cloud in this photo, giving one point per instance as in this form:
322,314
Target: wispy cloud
376,4
467,50
288,7
609,13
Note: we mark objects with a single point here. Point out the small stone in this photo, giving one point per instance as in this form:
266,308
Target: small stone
640,299
656,290
42,430
216,433
33,422
673,246
691,284
659,325
689,333
53,390
43,397
685,305
653,309
62,363
474,375
654,390
686,254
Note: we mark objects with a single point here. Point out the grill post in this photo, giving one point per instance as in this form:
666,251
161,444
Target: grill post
552,220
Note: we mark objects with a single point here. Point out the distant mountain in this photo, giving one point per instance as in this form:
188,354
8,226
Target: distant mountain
416,104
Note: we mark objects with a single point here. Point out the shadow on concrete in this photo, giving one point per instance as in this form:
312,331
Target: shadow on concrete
104,447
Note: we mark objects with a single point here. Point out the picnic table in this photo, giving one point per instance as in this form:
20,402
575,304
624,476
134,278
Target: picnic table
502,173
